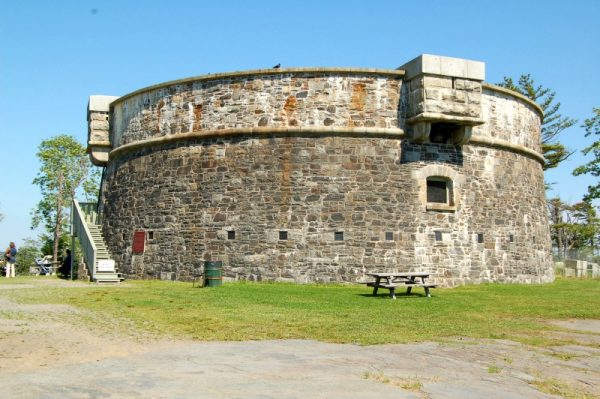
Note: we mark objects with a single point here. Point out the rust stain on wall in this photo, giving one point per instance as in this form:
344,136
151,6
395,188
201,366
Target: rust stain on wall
290,105
159,108
290,109
359,97
286,168
197,117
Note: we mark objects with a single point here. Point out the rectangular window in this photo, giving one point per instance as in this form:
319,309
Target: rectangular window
389,236
231,235
480,238
511,238
438,236
338,236
283,235
437,191
151,235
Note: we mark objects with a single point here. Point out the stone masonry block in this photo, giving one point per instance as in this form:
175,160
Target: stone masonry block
98,135
474,98
98,116
100,103
99,125
437,81
432,94
445,66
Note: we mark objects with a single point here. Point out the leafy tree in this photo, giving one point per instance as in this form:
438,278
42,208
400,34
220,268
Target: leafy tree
574,226
592,126
91,186
64,167
553,123
47,244
28,251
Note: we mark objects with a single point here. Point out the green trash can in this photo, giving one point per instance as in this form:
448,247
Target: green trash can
213,273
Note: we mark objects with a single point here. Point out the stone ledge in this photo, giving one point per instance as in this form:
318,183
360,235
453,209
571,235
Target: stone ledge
100,103
99,144
257,131
444,66
503,144
260,131
434,117
433,206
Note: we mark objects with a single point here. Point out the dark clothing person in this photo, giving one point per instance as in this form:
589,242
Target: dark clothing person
65,267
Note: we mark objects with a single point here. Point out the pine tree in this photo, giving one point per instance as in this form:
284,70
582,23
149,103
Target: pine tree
592,127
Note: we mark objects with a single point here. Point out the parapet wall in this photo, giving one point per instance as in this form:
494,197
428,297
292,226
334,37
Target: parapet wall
325,174
292,98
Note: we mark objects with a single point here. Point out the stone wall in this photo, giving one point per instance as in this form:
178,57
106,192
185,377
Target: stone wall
319,98
312,188
581,268
308,175
509,118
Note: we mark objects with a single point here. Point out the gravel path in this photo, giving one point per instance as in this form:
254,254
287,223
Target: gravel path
45,353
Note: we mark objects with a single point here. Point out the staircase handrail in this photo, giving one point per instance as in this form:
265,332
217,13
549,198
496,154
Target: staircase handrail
81,231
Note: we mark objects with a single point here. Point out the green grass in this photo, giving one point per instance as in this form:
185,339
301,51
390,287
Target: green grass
333,313
561,388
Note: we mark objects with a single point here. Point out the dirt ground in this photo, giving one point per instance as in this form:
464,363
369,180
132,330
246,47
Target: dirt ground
49,351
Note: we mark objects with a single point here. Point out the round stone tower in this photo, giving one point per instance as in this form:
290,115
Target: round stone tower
324,174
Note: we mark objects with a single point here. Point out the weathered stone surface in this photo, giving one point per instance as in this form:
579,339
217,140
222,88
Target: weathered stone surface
192,192
288,100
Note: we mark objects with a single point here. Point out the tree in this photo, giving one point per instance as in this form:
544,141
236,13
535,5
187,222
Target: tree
573,226
556,209
64,167
553,123
91,186
28,252
592,126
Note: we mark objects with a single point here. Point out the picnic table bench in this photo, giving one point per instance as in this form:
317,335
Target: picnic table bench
391,281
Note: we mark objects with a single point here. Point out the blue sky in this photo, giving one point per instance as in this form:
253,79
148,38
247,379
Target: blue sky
55,54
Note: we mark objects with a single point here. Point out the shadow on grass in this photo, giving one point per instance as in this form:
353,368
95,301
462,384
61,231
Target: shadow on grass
401,295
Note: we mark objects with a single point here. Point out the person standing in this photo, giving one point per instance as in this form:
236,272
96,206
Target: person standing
11,257
65,267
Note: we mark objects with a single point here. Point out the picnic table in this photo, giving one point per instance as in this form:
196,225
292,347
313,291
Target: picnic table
391,281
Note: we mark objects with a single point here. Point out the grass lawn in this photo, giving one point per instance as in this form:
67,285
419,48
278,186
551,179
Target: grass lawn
332,313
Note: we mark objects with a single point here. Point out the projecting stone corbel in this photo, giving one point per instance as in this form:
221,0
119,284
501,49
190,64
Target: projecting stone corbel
99,144
419,132
444,96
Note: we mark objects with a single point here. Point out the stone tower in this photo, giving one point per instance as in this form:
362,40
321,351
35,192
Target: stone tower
323,174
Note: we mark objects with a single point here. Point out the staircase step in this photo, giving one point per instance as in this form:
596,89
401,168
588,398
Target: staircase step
105,277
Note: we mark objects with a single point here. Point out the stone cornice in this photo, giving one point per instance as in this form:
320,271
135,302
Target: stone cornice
437,117
316,131
259,131
99,144
503,144
516,95
261,72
